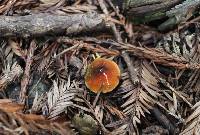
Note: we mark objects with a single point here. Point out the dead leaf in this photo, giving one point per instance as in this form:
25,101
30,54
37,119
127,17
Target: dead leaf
9,106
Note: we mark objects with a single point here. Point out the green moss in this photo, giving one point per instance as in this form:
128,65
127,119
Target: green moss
148,17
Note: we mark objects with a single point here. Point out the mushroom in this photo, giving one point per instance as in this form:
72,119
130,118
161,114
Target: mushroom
102,75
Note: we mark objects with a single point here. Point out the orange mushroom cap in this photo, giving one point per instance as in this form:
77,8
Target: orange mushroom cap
102,75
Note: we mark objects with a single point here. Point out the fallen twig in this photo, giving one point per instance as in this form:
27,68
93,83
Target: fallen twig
26,76
133,73
112,25
153,54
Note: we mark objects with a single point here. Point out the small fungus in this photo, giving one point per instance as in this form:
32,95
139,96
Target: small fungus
102,75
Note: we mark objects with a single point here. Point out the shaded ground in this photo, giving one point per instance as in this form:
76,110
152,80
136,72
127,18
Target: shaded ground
46,48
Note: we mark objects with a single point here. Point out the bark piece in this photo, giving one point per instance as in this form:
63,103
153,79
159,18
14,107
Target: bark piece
40,24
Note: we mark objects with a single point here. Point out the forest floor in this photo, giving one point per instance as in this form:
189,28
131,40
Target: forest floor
99,67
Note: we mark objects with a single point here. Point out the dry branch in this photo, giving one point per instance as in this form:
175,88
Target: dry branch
40,24
133,73
159,57
153,54
26,76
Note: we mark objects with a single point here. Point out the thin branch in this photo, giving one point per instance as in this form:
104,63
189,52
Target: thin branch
174,91
153,54
112,25
131,69
26,76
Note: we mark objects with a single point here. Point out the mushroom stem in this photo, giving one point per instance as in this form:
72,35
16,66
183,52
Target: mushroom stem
96,99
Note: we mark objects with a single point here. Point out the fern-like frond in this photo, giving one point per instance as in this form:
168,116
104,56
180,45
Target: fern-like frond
60,97
183,45
13,122
38,102
193,122
43,59
10,73
143,96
